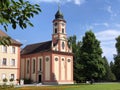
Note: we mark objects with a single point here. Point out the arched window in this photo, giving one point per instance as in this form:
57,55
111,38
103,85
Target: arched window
40,64
63,45
63,31
33,65
28,65
55,30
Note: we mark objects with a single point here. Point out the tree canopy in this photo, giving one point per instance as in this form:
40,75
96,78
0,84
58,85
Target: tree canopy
91,57
17,13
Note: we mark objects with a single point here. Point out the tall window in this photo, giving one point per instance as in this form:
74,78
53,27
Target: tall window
28,65
55,30
33,65
12,76
63,31
63,45
4,49
4,62
13,62
13,49
40,64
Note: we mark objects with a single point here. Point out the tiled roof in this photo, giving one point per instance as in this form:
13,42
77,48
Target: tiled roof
12,40
36,48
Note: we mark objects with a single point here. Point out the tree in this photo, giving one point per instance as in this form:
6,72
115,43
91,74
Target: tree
109,76
91,57
17,13
116,67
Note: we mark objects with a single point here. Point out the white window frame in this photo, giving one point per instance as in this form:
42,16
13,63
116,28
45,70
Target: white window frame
13,51
11,62
28,66
3,49
40,66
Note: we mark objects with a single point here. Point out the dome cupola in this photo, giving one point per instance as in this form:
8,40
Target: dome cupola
59,15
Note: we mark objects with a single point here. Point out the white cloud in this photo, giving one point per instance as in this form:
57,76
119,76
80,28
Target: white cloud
101,24
111,11
107,35
107,38
77,2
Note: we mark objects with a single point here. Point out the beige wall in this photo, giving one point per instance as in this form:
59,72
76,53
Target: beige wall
9,69
63,68
22,69
56,68
69,77
47,68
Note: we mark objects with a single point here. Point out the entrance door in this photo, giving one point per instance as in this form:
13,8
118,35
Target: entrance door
40,78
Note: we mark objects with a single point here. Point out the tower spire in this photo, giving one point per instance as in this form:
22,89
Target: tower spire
58,5
59,14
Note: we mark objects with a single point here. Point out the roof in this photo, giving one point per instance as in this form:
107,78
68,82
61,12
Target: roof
36,48
13,42
59,15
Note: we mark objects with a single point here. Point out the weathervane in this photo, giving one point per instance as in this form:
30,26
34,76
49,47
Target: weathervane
59,4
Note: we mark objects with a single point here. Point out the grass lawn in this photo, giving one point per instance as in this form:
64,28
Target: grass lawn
102,86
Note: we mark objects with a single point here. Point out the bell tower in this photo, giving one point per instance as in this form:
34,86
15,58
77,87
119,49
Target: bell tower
59,36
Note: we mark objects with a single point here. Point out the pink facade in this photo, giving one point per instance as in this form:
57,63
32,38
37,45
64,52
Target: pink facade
49,62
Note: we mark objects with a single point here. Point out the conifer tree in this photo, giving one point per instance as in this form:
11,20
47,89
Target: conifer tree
109,76
116,67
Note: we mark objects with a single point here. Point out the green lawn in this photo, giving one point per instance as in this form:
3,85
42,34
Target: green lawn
106,86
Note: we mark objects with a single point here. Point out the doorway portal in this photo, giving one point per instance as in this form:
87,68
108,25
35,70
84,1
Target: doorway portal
40,78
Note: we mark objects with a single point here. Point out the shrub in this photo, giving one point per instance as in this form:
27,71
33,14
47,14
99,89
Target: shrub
27,81
5,80
11,79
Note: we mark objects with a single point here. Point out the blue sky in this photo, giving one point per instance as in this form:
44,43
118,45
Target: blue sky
101,16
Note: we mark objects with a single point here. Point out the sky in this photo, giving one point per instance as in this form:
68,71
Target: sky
100,16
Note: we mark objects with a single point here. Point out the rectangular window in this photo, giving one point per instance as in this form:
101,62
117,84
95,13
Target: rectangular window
4,62
28,65
12,76
13,62
33,65
13,50
4,49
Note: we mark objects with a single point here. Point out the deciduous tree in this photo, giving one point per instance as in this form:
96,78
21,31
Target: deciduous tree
17,13
91,57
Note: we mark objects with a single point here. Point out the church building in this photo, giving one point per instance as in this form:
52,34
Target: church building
49,62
